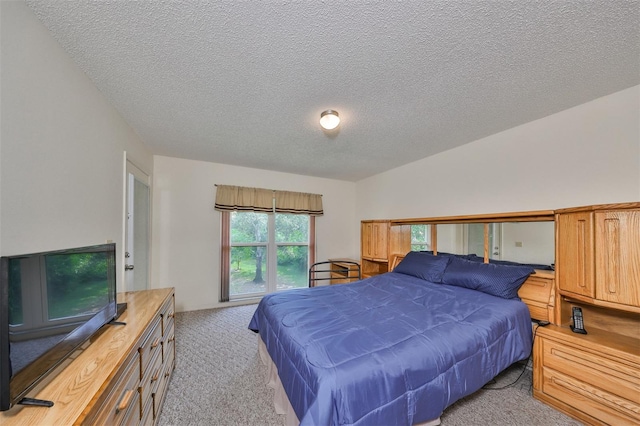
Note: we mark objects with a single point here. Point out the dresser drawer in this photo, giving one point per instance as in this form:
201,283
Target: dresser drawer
537,310
616,377
158,396
150,347
167,314
591,400
151,378
536,293
537,288
169,345
147,416
122,406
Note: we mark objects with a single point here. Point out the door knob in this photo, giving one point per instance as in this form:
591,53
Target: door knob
128,267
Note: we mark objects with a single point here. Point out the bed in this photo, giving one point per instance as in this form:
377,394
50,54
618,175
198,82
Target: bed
397,348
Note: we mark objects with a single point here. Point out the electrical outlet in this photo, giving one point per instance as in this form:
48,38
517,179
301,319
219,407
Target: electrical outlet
518,243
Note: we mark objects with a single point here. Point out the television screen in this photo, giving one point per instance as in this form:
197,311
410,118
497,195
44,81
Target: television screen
54,302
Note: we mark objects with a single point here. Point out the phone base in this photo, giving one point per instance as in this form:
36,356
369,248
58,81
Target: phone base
578,330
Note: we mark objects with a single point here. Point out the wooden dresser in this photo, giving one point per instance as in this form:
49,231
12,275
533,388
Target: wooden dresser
121,375
594,377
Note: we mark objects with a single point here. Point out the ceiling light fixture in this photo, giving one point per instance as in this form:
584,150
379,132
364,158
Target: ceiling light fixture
329,119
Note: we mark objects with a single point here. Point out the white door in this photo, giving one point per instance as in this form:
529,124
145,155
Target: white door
495,241
137,233
475,239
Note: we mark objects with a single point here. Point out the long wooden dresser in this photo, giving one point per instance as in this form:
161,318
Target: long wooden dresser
120,376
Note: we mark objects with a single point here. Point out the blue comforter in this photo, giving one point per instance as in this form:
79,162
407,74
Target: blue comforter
392,349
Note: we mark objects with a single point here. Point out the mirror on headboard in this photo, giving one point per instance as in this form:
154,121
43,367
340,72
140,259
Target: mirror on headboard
523,242
521,237
527,237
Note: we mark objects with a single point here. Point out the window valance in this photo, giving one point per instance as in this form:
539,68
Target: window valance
240,198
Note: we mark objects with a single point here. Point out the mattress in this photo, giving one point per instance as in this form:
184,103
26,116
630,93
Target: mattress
391,349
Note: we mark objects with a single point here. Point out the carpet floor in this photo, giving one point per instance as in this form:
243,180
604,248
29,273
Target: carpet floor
220,380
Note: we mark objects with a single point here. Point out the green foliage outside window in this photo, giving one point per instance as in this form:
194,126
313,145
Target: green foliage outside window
420,238
248,262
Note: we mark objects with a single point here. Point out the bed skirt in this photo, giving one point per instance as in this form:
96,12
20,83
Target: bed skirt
280,399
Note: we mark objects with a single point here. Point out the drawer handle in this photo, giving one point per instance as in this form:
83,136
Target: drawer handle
172,339
167,374
125,400
155,343
155,376
171,315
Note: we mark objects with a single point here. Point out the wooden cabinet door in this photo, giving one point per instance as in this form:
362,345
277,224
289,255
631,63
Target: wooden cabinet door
380,236
365,235
617,237
575,253
374,240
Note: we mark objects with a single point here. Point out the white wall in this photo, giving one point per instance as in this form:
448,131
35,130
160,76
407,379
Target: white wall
451,238
537,242
186,228
589,154
63,144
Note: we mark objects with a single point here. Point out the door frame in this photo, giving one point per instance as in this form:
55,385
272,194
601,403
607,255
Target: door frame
131,167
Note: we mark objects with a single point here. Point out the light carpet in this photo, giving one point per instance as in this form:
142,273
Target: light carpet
219,380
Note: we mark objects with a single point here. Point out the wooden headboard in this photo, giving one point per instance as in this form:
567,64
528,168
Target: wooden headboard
537,292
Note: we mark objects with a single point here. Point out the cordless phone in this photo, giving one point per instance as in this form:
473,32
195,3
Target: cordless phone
578,323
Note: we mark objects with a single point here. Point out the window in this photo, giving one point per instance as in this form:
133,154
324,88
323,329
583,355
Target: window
267,239
420,237
267,252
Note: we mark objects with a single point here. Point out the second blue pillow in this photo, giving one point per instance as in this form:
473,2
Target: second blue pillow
497,280
423,265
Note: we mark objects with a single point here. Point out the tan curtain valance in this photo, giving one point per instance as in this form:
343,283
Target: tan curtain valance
240,198
298,202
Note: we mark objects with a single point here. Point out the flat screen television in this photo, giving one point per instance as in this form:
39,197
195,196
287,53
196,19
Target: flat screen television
50,305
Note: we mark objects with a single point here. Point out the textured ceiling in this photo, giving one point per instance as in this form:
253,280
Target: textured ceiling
244,82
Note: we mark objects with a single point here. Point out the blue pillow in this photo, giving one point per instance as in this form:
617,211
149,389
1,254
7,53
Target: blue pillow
475,258
498,280
442,253
423,265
